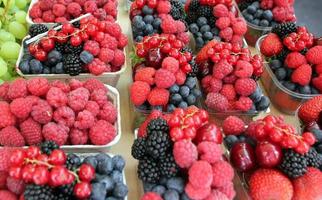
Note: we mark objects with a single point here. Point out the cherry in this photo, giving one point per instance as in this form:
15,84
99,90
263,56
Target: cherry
242,157
268,154
17,157
75,40
58,176
33,152
209,132
15,172
67,28
41,55
86,172
154,58
82,190
57,157
41,175
27,173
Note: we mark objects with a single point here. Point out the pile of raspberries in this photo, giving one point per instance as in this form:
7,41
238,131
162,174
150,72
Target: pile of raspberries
78,113
62,11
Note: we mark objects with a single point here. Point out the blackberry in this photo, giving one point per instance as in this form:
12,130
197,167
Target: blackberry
60,47
177,10
138,148
76,24
158,144
313,158
186,49
38,192
148,171
66,190
37,29
282,56
243,5
157,125
205,11
293,164
73,162
195,68
72,49
48,146
194,6
72,64
283,29
61,196
168,166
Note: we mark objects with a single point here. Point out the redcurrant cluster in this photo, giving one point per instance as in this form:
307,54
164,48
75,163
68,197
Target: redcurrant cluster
274,129
228,3
31,166
300,40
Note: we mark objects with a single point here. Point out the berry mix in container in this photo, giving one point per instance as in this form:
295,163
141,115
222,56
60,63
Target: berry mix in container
46,172
275,161
180,157
164,76
74,113
218,20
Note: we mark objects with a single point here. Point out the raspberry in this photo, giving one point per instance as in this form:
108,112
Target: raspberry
114,29
237,39
110,9
56,97
7,195
94,84
108,113
313,56
294,60
3,179
185,153
92,107
302,75
318,68
158,97
35,12
184,37
11,137
243,69
164,78
200,174
180,77
63,86
21,107
17,89
4,87
5,154
281,3
271,45
223,174
38,86
171,64
122,41
145,74
228,91
197,193
220,10
217,195
210,152
109,42
164,7
217,102
6,117
92,46
42,112
222,69
55,132
74,84
228,190
240,28
99,96
244,104
90,6
215,85
205,83
139,92
15,185
74,9
33,99
223,22
168,25
97,67
245,86
102,133
231,79
59,10
84,120
181,27
61,20
78,137
46,4
48,16
226,34
106,55
64,115
267,4
317,82
233,126
31,131
119,58
77,99
151,196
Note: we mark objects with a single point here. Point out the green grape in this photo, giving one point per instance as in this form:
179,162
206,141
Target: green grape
1,11
6,77
21,4
1,81
21,16
11,3
3,67
6,37
0,24
17,29
10,50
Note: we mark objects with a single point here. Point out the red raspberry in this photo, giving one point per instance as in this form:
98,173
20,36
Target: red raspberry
220,10
33,99
185,153
168,25
94,84
271,45
106,55
15,185
163,7
108,113
122,41
237,39
228,190
181,27
42,112
5,154
245,86
151,196
48,16
110,9
99,96
233,125
318,69
109,42
21,107
74,84
17,89
74,9
38,86
11,137
171,64
56,97
240,27
119,58
314,55
164,78
61,20
244,104
3,179
294,60
77,99
200,174
78,137
302,75
180,77
280,14
102,133
84,120
113,29
243,69
64,115
4,87
217,195
228,91
97,67
55,132
223,22
46,4
217,102
281,3
145,74
100,3
210,152
223,174
222,69
184,37
215,85
267,4
63,86
158,97
90,6
6,117
100,14
92,107
59,10
31,131
226,34
92,46
35,12
197,192
7,195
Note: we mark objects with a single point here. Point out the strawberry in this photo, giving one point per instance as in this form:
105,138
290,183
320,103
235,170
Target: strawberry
268,184
302,75
314,55
311,109
202,55
271,45
309,186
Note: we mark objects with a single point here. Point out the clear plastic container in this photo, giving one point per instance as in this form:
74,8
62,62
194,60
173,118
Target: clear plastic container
283,99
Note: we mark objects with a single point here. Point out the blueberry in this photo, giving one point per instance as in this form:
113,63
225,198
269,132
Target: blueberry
252,109
318,134
174,89
275,64
59,68
198,34
171,108
46,70
201,21
196,92
156,23
255,22
140,25
205,28
118,162
175,99
138,39
259,14
191,82
27,56
215,31
184,196
176,183
199,42
289,85
35,66
108,183
120,190
191,100
171,195
54,57
98,191
91,160
183,104
230,140
249,17
305,89
148,186
159,108
148,29
137,19
256,4
251,9
117,176
280,73
257,95
159,189
289,73
147,10
148,19
184,91
268,15
208,35
264,23
194,28
86,57
319,148
263,104
24,67
105,164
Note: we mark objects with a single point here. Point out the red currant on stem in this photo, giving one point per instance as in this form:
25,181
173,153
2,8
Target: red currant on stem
141,53
174,121
57,157
182,60
41,175
17,157
43,158
309,138
15,172
33,48
84,36
291,141
176,134
47,44
33,152
27,172
174,53
82,190
91,29
179,112
61,37
86,172
188,122
58,176
189,133
152,3
166,47
275,135
67,28
41,55
75,40
186,68
302,147
51,33
204,116
140,3
188,56
197,120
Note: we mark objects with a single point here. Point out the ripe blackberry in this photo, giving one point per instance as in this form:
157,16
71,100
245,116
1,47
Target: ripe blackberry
73,162
61,196
205,11
72,49
138,148
177,10
168,166
282,56
194,6
313,158
186,49
72,64
76,24
283,29
38,192
158,144
293,164
195,68
66,190
48,146
60,47
37,29
157,125
148,171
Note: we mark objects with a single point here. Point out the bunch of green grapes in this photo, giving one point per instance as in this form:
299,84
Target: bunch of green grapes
13,28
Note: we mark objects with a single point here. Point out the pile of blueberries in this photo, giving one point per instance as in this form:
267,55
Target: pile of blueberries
257,16
260,101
